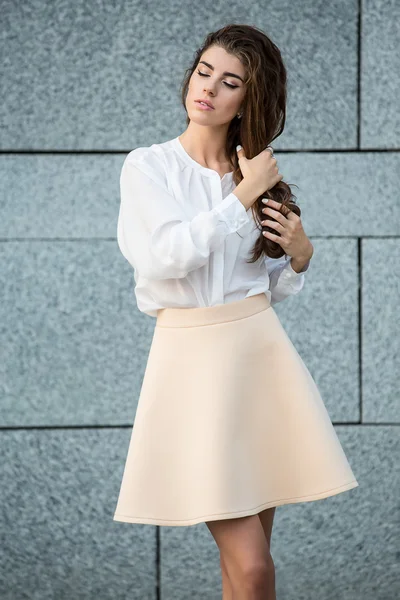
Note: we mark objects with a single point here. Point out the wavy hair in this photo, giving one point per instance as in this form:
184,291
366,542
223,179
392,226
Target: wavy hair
264,114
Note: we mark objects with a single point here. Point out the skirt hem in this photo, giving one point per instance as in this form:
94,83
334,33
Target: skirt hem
242,513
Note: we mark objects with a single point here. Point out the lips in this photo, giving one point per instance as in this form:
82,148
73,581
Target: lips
205,102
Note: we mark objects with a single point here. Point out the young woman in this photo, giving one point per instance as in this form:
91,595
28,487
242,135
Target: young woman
229,423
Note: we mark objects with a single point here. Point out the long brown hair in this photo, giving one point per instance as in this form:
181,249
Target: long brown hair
264,114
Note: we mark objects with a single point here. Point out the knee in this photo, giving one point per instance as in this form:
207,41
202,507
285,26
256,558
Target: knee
255,575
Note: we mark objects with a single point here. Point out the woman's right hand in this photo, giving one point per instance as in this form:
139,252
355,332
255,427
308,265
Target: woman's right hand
261,172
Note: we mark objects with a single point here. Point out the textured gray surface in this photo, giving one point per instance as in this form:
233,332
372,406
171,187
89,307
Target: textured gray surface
79,76
59,195
346,193
58,539
322,322
77,195
73,344
381,330
100,76
380,58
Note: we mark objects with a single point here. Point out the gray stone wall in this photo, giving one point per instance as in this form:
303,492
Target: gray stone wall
83,83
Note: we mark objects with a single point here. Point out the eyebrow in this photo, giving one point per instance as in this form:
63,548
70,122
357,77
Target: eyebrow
224,73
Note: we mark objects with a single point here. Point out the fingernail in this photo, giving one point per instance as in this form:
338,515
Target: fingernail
265,200
238,147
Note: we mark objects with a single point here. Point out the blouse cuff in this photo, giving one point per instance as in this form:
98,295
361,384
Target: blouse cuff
232,211
290,274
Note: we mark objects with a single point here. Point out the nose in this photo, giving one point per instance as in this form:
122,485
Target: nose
208,89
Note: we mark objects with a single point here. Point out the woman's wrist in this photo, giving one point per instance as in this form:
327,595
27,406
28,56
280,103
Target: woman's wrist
246,193
298,265
299,262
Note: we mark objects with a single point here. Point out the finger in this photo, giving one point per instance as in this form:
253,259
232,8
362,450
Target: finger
272,236
275,214
274,224
273,203
240,151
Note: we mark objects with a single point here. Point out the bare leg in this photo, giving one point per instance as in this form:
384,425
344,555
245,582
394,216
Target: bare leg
267,520
245,558
227,589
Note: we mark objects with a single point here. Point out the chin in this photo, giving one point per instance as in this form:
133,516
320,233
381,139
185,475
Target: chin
202,119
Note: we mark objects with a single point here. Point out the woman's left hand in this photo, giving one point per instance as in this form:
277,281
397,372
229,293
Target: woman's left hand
292,237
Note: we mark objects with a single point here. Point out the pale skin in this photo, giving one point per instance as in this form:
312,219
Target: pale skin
244,543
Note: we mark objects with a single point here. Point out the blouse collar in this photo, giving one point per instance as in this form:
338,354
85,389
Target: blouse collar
190,161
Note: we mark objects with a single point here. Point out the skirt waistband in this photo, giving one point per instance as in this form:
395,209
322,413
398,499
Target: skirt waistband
209,315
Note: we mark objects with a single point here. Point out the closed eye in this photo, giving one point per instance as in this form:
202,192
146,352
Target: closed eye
227,84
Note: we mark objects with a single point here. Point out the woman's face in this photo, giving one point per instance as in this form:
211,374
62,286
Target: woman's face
219,78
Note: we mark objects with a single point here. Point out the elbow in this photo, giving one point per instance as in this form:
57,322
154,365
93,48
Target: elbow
162,255
173,257
157,271
149,258
170,267
158,265
154,265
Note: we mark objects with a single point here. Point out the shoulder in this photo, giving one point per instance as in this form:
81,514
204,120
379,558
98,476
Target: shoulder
150,160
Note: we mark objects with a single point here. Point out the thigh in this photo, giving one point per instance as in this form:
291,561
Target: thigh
241,542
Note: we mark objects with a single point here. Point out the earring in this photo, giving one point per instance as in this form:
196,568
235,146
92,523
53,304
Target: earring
239,115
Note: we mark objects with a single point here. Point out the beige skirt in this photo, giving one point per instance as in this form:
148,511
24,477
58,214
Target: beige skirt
229,421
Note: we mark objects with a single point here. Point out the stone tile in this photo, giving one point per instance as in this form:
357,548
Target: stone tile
74,344
380,64
100,79
319,47
380,330
345,194
58,494
59,196
344,546
322,322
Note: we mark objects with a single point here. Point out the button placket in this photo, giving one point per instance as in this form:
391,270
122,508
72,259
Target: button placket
217,292
231,223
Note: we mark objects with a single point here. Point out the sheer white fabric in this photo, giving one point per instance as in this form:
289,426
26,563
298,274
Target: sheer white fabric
187,236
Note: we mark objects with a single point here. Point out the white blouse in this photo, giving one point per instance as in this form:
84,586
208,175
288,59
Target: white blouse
187,236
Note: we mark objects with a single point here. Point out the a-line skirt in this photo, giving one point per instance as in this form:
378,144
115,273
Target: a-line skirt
229,421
